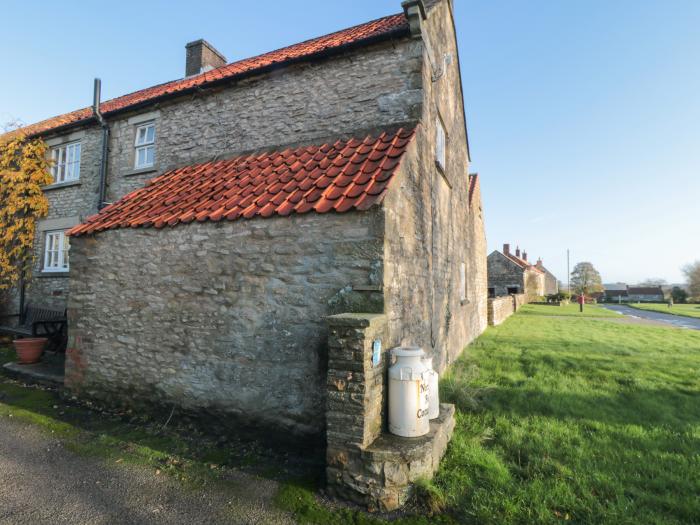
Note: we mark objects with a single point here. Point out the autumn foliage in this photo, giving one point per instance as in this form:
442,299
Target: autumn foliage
24,169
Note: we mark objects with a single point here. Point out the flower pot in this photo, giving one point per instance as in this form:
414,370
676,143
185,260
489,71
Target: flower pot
29,350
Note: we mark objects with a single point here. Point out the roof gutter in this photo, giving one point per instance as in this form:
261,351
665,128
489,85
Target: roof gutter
97,93
326,53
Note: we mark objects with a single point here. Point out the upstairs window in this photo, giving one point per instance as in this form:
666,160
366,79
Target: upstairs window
66,162
56,250
145,146
440,144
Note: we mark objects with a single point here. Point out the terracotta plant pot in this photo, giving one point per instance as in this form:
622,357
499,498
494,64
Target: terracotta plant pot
29,350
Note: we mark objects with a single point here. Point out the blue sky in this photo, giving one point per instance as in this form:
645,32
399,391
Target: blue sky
584,117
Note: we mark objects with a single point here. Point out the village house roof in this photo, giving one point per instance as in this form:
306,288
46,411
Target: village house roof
349,174
361,35
522,262
645,290
616,293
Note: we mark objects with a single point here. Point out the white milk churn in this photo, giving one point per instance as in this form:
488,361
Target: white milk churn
409,405
433,388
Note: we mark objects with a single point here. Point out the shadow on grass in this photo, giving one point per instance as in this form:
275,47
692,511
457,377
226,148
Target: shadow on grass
184,448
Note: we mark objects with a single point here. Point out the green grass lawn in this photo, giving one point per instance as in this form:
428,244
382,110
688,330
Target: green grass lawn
686,310
567,310
560,418
575,419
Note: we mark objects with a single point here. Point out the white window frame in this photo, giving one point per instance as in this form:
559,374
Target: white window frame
440,144
144,144
66,162
56,251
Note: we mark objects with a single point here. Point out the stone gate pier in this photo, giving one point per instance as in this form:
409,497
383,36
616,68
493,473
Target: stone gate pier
364,463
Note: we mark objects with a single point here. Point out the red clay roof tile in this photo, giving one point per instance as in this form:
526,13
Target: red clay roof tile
227,190
357,35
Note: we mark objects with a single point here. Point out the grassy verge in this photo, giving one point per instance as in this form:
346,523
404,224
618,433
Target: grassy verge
567,310
578,420
684,310
561,418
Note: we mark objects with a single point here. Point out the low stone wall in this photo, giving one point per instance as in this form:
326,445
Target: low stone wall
501,308
519,299
366,464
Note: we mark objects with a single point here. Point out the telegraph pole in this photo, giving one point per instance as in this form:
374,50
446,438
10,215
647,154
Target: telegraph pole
568,273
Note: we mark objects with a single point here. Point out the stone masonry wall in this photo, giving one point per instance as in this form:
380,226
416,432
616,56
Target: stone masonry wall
500,309
431,231
504,274
225,318
69,204
374,87
364,463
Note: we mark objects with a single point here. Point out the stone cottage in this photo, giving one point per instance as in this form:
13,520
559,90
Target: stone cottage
243,204
511,273
551,283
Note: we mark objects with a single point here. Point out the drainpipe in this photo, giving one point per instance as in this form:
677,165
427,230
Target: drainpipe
105,142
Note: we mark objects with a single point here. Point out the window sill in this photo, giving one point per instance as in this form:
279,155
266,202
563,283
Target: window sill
50,275
141,171
60,185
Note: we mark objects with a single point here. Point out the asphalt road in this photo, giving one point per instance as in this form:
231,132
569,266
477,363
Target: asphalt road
673,320
43,483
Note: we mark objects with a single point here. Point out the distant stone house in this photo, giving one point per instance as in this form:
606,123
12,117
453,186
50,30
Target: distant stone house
511,273
616,295
645,294
551,283
251,200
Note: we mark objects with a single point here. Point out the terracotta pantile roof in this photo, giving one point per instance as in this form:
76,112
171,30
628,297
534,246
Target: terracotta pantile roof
473,183
346,175
522,262
386,27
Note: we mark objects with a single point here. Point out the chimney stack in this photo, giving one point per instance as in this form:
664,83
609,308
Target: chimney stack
201,56
524,256
506,249
517,251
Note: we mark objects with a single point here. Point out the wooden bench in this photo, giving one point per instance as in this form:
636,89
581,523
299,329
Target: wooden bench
39,322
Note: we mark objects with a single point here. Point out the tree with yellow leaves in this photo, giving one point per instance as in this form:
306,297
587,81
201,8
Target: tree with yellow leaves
24,169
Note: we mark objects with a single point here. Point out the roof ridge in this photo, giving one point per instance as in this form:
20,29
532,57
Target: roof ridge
378,28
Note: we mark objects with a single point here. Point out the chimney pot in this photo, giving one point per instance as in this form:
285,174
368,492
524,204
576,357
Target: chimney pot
201,56
517,251
506,249
524,256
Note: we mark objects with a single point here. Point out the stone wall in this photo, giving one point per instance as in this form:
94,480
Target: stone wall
551,284
504,274
373,88
365,464
225,318
501,308
431,231
519,300
69,204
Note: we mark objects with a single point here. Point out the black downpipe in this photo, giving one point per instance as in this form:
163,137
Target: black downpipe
105,142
